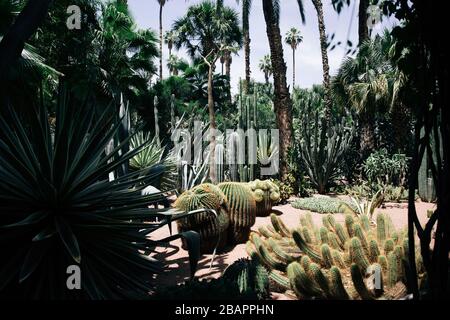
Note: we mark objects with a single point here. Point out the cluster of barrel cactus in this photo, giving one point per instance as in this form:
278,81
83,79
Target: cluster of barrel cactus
242,210
266,194
353,260
212,229
235,210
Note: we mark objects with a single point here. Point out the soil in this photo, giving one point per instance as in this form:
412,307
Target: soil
178,270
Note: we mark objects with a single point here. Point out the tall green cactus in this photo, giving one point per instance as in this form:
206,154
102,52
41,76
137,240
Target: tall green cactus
212,229
242,209
318,269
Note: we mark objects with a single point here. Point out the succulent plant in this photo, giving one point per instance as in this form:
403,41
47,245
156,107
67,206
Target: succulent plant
266,194
330,263
322,204
242,210
212,228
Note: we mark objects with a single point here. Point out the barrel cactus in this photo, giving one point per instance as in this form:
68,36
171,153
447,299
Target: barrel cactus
266,194
242,210
212,228
336,261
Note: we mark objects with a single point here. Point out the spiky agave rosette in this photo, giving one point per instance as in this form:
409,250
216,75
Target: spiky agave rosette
266,194
212,228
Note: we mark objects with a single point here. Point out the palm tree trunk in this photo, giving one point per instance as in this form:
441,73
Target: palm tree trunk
266,76
228,74
282,99
26,24
160,42
363,29
293,71
325,65
247,41
212,128
367,142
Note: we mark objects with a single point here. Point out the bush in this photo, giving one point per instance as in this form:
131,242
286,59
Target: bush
384,169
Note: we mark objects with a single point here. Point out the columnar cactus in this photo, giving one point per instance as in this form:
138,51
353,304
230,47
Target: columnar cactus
242,210
212,229
330,263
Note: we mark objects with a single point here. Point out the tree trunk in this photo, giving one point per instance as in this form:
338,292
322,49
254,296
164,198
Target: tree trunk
247,41
282,99
367,142
228,61
212,127
160,42
23,28
325,65
293,71
363,29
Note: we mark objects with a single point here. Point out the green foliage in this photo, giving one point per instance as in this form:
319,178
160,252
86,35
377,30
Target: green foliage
322,204
286,188
315,269
153,154
383,169
322,148
242,210
212,226
59,208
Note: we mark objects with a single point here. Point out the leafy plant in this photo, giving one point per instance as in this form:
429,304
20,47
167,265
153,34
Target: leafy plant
151,154
322,204
364,207
384,169
335,261
322,148
59,208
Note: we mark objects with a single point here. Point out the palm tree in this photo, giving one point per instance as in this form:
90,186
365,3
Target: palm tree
162,3
169,39
293,38
207,31
265,66
282,99
325,65
175,64
363,16
369,83
246,8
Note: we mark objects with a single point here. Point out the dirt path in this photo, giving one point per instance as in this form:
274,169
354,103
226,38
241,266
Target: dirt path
178,270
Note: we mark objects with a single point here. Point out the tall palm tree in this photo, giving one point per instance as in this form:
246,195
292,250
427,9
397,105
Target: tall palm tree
265,66
369,83
282,99
246,8
363,16
207,31
161,3
169,39
325,64
293,38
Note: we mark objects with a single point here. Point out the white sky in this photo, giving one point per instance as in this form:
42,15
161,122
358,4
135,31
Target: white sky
308,56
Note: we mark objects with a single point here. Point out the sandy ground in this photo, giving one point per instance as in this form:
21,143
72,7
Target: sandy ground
178,262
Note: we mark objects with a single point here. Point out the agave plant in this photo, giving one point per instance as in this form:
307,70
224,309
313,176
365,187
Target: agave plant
58,208
153,154
364,207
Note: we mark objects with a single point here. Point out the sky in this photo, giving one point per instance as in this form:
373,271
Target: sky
308,54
